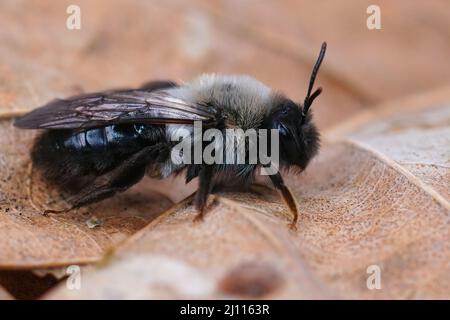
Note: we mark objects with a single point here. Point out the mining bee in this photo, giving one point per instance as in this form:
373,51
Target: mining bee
95,145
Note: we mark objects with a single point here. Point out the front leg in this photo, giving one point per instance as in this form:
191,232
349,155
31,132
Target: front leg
278,182
204,189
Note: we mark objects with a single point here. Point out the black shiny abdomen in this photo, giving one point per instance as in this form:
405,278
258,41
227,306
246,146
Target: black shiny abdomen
66,156
125,137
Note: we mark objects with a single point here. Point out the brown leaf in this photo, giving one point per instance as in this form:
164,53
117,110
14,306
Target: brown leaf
354,198
29,239
216,250
148,40
4,295
376,195
370,65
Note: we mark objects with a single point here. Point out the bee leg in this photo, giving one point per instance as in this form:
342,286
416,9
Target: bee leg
204,189
119,179
96,194
287,196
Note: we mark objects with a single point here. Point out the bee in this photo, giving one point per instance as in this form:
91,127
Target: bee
96,145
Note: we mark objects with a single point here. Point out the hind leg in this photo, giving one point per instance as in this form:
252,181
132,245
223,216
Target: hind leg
128,173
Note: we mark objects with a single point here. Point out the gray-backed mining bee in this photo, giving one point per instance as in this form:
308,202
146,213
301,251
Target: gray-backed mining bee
98,144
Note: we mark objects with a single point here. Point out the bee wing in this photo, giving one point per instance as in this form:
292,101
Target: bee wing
114,107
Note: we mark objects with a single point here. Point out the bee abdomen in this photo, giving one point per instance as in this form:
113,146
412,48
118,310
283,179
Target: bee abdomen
98,139
66,156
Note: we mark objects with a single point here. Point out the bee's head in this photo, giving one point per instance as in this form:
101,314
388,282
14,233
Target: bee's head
299,137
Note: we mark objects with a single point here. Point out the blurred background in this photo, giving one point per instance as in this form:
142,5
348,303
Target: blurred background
125,43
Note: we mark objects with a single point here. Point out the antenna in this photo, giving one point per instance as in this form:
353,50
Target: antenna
310,97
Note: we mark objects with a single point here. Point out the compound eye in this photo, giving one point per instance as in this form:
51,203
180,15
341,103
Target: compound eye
283,130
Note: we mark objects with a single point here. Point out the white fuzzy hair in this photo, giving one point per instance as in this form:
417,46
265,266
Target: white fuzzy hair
245,102
245,98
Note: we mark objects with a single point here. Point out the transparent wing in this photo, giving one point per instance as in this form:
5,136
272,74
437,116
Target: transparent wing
114,107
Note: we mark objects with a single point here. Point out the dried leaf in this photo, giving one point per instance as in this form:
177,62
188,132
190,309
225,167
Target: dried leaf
170,278
57,62
370,65
29,239
4,295
377,195
228,240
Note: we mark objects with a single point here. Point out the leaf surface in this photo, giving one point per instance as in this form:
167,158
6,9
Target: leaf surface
29,239
375,197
